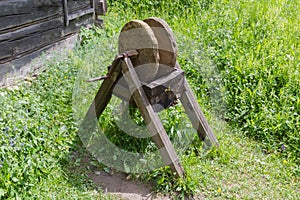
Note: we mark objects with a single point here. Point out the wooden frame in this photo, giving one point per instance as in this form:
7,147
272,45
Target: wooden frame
123,65
68,18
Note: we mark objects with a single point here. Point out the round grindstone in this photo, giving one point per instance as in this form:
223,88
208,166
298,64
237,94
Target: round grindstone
167,45
138,35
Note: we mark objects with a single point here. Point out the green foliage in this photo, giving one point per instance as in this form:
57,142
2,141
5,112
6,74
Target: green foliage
178,188
37,132
252,54
169,7
254,46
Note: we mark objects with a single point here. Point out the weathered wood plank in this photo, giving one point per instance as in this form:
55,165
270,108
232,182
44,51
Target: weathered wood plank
32,25
25,45
196,115
14,15
37,37
100,7
18,63
17,7
81,13
76,5
13,22
14,71
66,12
18,13
31,30
151,118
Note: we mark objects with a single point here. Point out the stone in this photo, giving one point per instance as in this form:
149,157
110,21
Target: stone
167,45
138,35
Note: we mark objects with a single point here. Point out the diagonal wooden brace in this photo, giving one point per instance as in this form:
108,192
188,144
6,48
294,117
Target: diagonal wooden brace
195,114
104,93
151,118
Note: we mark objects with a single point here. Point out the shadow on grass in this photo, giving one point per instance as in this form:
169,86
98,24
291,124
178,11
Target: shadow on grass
84,172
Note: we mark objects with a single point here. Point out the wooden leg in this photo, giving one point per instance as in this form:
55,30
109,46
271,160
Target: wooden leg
196,116
151,118
104,93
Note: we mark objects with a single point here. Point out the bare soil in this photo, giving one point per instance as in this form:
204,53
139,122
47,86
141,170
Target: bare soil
122,187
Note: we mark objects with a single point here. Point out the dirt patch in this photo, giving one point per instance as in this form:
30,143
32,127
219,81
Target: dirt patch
115,183
119,185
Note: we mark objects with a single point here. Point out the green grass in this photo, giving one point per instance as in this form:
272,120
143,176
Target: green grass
255,47
240,170
38,136
242,60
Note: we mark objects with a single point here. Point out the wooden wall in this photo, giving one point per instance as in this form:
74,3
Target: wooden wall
28,27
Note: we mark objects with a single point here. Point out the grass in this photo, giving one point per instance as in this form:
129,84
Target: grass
38,134
254,45
240,170
247,55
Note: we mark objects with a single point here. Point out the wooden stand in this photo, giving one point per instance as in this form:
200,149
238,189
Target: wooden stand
142,96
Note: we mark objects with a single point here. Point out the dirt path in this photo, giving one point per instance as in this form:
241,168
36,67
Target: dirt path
118,185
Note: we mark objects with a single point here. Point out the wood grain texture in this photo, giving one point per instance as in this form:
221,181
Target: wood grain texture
196,115
159,135
29,26
105,91
18,43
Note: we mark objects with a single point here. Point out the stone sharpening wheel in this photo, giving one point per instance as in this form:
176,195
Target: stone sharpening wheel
155,43
146,74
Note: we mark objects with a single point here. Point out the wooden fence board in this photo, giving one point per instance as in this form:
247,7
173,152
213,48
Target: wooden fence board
31,25
35,37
